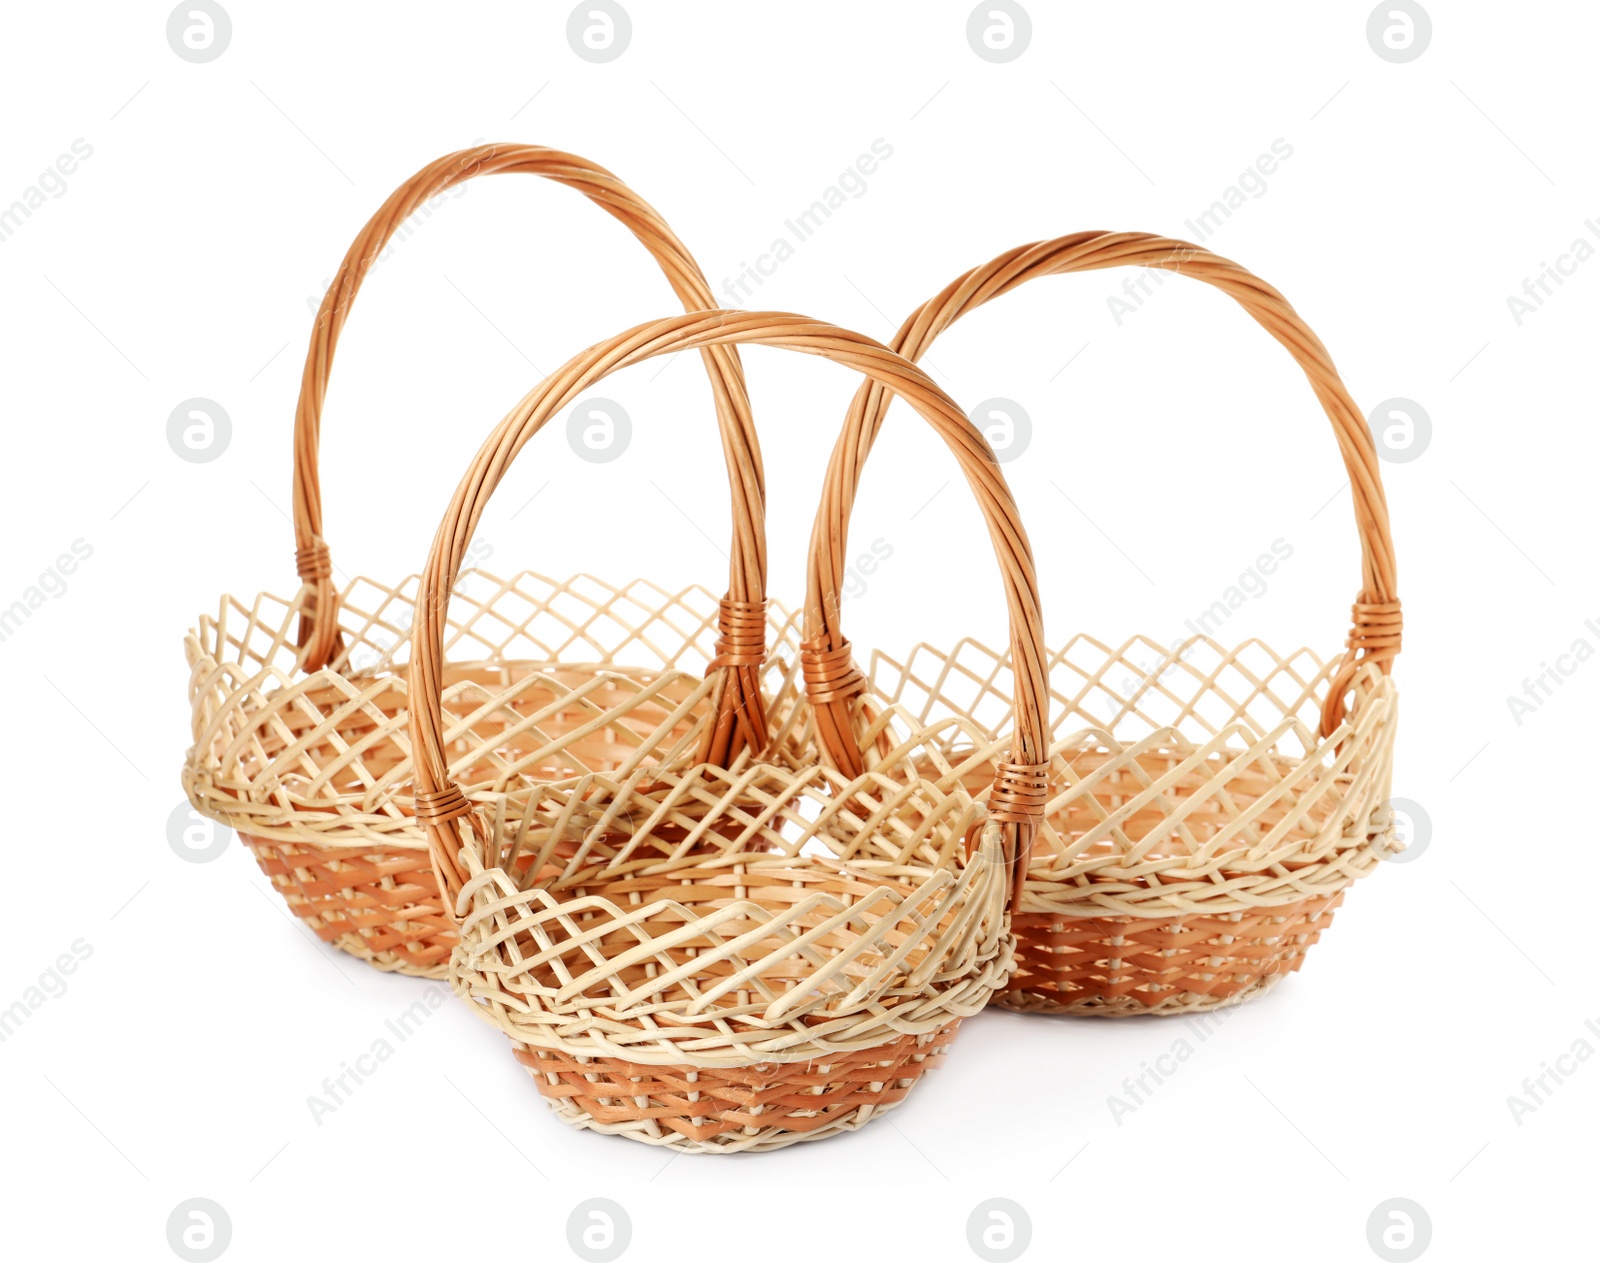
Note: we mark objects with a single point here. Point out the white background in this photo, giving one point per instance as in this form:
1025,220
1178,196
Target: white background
221,196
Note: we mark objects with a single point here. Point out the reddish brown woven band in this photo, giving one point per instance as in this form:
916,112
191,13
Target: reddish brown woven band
830,674
442,804
1375,631
1020,794
742,634
313,562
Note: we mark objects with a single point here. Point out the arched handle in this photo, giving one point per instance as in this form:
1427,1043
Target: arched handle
319,630
1375,617
1020,792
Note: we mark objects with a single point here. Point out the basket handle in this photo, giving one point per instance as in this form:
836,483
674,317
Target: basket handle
1018,799
1375,616
319,629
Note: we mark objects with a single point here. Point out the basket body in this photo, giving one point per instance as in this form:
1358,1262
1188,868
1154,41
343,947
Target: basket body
737,1109
314,771
772,943
1201,833
789,981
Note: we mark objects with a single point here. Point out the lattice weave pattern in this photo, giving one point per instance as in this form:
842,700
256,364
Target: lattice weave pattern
299,705
641,957
1201,831
1183,808
740,957
314,771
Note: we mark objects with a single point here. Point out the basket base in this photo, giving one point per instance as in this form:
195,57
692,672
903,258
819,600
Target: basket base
380,906
1122,966
743,1109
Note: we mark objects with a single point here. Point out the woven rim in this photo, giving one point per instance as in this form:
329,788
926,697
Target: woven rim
319,627
1376,619
1018,795
324,757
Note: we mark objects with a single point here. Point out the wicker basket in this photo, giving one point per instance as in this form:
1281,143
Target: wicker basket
1212,802
796,975
299,704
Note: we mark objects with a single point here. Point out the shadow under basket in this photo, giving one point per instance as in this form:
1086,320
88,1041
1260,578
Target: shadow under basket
1202,833
313,771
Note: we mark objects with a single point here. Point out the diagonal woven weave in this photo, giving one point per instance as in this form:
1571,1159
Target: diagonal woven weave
299,705
1202,831
1211,805
734,958
314,771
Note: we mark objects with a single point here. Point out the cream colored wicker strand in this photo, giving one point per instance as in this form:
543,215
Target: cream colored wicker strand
306,756
747,577
1196,861
1375,631
720,328
726,960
